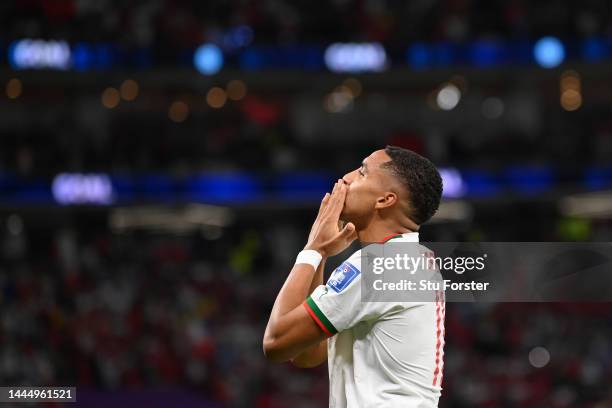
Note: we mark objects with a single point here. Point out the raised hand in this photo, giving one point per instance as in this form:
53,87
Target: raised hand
326,236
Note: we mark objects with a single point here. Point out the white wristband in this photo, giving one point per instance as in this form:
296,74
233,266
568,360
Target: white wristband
310,257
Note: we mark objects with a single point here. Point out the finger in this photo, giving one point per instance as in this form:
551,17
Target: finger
348,233
326,198
336,184
331,198
337,188
324,202
337,200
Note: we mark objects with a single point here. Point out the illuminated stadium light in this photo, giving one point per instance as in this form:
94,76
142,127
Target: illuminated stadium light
570,79
110,98
129,90
596,205
570,89
539,357
549,52
39,54
216,97
208,59
74,188
448,97
356,57
453,185
236,90
13,88
571,100
178,111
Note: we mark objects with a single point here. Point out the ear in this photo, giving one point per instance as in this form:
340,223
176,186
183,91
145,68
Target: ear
388,199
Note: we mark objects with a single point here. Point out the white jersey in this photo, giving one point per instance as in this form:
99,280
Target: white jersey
380,354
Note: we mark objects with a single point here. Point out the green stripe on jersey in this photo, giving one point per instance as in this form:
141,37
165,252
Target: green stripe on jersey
311,303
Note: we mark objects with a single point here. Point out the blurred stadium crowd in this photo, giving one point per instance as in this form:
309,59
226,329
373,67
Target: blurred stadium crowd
171,24
295,132
502,118
142,310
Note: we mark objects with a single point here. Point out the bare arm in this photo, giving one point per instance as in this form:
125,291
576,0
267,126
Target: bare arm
290,330
317,279
316,354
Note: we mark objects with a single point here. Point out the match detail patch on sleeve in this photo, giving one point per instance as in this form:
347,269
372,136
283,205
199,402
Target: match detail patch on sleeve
342,277
319,318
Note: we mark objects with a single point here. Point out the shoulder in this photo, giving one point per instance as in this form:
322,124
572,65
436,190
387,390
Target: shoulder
355,259
346,273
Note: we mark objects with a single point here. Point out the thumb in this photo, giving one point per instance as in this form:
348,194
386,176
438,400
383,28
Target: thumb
348,230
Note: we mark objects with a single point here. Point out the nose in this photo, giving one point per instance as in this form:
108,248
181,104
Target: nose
348,178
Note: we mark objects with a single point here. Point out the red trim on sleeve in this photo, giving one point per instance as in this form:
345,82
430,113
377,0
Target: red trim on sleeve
316,319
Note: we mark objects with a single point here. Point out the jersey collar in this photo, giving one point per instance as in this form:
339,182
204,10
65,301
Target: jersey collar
406,237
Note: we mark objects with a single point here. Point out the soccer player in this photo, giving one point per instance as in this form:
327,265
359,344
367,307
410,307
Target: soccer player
380,354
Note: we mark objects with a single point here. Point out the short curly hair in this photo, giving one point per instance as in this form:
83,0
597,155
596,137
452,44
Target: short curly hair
420,178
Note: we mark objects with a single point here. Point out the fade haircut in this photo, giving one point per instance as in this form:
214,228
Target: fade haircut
419,177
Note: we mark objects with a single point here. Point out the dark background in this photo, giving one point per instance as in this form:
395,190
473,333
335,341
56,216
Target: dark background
150,212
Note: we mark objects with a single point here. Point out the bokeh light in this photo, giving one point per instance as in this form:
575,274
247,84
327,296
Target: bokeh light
129,90
236,90
448,97
539,357
571,100
208,59
110,98
178,111
549,52
216,97
570,79
570,87
13,88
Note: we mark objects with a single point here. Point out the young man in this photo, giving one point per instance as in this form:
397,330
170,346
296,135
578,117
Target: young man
380,354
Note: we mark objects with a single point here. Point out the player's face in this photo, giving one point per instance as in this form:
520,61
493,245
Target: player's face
366,184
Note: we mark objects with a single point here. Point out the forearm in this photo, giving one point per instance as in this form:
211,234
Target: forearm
292,294
316,354
300,283
317,279
285,339
295,290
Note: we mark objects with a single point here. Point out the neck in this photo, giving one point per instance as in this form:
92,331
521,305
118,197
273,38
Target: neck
377,230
